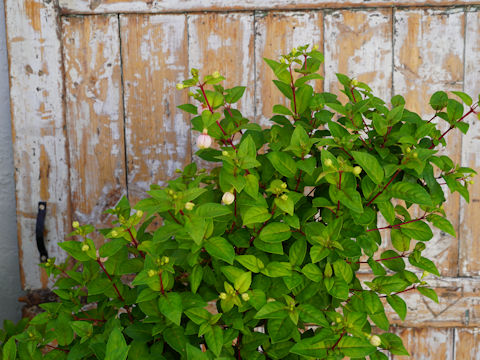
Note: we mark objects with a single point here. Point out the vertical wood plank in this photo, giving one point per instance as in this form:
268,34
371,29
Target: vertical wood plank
467,344
40,154
359,45
426,343
277,33
469,233
224,42
423,64
94,115
154,54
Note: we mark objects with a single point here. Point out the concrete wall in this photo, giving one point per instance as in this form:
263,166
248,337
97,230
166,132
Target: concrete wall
9,268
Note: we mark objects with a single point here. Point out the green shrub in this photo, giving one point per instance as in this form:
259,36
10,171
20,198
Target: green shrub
258,258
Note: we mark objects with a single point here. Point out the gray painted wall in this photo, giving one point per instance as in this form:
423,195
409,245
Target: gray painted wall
9,269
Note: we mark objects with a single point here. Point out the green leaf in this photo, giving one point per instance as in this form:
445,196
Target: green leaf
234,94
278,269
111,247
297,252
255,215
372,302
318,253
74,248
303,98
339,289
284,88
351,198
63,331
311,314
170,305
275,232
380,124
280,329
343,270
272,310
424,264
196,277
381,320
312,272
438,100
243,282
82,328
430,293
251,185
10,349
175,337
221,249
442,223
400,241
283,163
280,109
214,339
411,192
251,262
395,263
395,115
117,348
190,108
311,348
454,110
398,304
394,344
417,230
302,80
285,205
214,98
370,164
212,210
195,353
355,347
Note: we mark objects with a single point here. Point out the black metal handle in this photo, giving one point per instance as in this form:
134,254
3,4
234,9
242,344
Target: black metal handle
39,230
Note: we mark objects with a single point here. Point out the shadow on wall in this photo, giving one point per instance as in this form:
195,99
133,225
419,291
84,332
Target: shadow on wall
10,289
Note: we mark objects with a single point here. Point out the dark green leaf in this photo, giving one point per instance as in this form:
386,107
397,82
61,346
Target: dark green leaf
442,223
411,192
221,249
275,232
370,164
170,305
397,303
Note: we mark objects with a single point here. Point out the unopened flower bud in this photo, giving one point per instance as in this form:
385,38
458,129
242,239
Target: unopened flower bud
139,213
354,82
178,171
180,86
114,233
225,153
284,197
284,185
357,170
204,141
189,206
328,163
245,297
222,296
282,60
194,72
375,340
216,75
85,247
408,150
338,319
415,155
151,273
166,259
270,300
190,93
228,198
75,224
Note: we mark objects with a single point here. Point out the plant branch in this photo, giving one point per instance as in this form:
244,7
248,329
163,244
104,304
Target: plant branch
384,188
293,90
472,108
135,243
111,280
341,336
398,225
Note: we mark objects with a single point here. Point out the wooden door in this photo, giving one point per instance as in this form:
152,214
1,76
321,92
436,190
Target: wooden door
94,110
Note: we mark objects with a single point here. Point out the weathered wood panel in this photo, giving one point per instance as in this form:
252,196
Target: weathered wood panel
277,33
469,233
424,64
94,115
109,6
154,53
467,344
225,43
40,155
427,344
359,44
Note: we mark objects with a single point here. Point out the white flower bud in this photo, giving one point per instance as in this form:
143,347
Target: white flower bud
189,206
245,297
180,86
284,197
222,296
284,185
228,198
357,170
204,141
75,224
375,340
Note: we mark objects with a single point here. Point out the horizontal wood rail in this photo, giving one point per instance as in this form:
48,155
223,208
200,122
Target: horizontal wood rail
174,6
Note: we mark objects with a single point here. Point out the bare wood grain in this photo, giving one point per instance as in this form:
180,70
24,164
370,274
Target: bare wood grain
154,53
94,116
427,344
423,65
467,344
469,232
40,153
136,6
225,43
277,33
359,44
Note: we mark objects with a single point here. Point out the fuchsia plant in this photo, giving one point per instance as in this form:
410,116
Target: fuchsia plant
258,258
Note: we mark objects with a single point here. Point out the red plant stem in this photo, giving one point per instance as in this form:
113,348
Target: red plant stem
353,95
397,225
263,225
472,108
174,218
293,90
161,283
433,117
305,62
386,136
57,348
384,188
298,180
111,280
364,143
135,243
88,319
346,152
63,271
339,188
341,336
380,260
399,292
